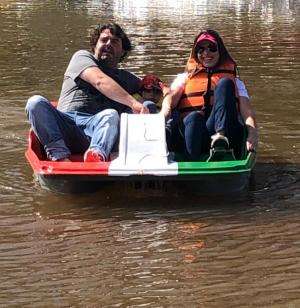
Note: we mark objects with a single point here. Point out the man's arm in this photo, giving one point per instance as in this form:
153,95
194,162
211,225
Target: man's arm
248,115
111,89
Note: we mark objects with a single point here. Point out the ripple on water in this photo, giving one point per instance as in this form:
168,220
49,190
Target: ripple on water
126,247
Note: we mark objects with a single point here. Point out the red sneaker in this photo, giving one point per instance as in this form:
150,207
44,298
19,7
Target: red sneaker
92,156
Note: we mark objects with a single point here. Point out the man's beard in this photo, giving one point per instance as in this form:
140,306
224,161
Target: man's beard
108,60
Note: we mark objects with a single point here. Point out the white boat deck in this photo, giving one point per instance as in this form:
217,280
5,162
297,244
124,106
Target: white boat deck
142,147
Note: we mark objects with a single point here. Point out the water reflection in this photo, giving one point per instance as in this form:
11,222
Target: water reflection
149,247
141,10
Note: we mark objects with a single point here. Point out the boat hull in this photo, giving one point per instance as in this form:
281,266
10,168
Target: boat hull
142,157
201,184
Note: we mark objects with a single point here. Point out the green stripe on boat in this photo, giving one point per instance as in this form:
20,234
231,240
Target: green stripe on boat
223,167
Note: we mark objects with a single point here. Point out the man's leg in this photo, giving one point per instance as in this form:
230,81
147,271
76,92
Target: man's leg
56,130
102,128
195,134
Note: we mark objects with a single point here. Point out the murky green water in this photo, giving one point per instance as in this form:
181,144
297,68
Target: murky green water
123,247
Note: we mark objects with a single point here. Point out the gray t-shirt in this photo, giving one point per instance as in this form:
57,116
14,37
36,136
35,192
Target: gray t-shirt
78,95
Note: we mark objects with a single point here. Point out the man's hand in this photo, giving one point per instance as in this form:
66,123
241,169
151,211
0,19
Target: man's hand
139,108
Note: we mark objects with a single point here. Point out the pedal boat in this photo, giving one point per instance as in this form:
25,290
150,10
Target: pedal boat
142,157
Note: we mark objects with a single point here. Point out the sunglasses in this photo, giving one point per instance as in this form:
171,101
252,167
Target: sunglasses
211,48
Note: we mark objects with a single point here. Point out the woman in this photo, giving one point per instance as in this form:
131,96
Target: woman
211,101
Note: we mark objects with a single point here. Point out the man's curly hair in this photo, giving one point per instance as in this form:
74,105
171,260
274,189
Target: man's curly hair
116,30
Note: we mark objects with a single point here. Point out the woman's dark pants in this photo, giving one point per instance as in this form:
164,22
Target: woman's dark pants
192,134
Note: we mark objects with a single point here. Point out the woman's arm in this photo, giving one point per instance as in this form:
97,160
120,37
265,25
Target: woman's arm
173,95
170,101
248,116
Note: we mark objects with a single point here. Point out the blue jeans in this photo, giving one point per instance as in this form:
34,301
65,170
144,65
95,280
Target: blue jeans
63,133
149,104
192,134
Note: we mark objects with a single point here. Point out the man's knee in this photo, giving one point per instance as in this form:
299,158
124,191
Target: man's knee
111,116
36,103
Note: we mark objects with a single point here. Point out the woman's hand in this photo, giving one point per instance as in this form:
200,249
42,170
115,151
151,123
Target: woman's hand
248,115
165,89
252,140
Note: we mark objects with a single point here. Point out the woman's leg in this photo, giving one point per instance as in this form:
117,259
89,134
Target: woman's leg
151,106
56,130
195,135
224,114
174,138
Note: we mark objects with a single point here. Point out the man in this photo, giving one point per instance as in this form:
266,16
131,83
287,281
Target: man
94,93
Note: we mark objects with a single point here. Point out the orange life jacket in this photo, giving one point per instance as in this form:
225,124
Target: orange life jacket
199,88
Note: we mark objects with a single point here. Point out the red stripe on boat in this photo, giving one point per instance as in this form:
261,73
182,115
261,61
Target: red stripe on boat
40,165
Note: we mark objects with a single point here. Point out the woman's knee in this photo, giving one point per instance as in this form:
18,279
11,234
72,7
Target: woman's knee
36,103
194,117
151,106
225,94
226,83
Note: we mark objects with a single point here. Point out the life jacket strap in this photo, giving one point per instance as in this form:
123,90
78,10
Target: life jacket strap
193,94
224,71
197,94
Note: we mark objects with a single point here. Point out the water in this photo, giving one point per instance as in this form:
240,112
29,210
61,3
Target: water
123,247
